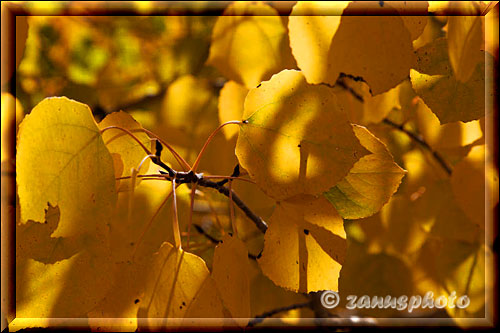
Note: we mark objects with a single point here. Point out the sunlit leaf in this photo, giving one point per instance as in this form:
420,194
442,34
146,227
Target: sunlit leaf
311,28
304,246
62,160
250,43
370,183
295,139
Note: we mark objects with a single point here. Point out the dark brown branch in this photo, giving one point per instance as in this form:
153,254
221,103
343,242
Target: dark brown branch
420,140
417,138
271,313
259,222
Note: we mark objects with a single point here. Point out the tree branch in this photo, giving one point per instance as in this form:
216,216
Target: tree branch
420,140
417,138
271,313
257,220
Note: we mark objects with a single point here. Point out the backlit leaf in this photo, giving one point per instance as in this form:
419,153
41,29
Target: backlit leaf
410,12
231,275
67,288
62,160
304,246
126,152
249,43
376,48
469,180
465,36
180,286
231,101
370,183
295,139
373,274
311,35
450,99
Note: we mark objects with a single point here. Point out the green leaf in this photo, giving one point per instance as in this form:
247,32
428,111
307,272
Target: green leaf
370,183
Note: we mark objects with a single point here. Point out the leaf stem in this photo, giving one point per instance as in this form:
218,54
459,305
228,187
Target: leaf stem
197,161
129,133
177,233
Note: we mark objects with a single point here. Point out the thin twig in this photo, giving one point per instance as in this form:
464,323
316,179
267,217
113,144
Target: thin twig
217,241
420,140
271,313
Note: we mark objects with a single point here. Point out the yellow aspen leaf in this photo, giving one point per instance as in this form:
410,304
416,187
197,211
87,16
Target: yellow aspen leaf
432,58
434,81
437,211
188,101
465,37
231,100
396,230
123,299
373,274
455,134
450,99
68,288
250,43
376,48
371,181
295,139
33,240
230,271
126,152
373,109
62,160
410,12
445,266
180,286
469,180
311,33
305,245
